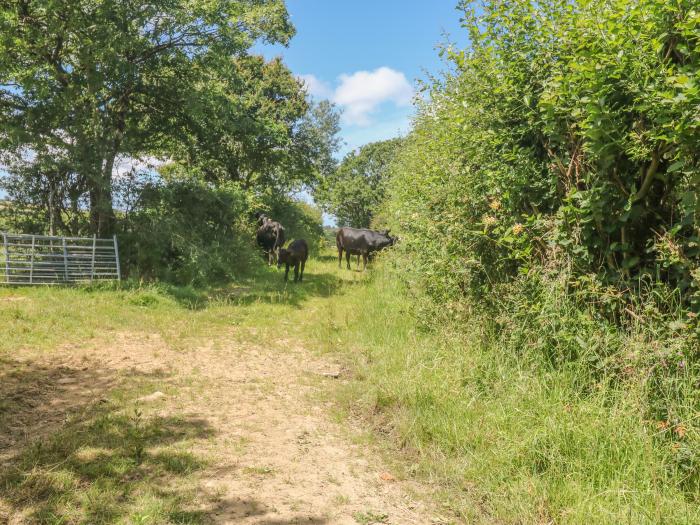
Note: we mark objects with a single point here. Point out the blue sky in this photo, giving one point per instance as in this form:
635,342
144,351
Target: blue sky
366,55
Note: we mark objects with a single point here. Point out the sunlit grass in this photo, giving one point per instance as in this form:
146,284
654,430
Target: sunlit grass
502,438
505,439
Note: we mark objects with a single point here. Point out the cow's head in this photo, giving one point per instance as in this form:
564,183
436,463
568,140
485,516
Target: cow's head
261,217
386,239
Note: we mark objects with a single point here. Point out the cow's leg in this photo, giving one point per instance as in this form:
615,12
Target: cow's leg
340,256
358,261
286,272
301,273
347,258
365,255
296,271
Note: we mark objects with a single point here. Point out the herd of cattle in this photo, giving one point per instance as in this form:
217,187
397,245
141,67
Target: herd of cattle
353,241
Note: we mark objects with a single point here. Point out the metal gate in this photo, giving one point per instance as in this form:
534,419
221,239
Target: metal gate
42,259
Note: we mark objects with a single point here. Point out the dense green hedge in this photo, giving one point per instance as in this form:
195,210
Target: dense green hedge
548,196
191,232
187,232
569,135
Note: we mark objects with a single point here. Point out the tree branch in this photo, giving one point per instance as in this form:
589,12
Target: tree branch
648,177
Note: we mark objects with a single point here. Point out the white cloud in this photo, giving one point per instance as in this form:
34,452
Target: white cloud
361,93
316,87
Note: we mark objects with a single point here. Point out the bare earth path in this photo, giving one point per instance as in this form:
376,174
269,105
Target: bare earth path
272,453
292,464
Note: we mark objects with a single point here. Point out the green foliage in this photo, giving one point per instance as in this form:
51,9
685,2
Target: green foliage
90,81
84,85
300,219
567,132
355,190
188,232
547,204
251,123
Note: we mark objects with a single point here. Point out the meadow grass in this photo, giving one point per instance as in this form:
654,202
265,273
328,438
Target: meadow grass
504,438
508,440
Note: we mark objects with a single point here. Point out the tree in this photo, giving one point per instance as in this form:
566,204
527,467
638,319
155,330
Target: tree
254,126
316,140
354,191
94,80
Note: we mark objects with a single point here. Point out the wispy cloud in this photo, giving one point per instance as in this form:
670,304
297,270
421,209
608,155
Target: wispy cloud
316,87
361,94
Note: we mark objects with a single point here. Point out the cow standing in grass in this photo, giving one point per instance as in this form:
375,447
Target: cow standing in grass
360,241
294,255
270,237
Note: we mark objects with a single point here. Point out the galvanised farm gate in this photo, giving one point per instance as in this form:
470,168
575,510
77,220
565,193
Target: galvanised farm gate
43,259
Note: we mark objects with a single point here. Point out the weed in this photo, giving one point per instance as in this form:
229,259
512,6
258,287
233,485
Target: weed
370,517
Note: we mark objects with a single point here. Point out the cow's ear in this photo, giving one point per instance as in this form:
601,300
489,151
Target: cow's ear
388,231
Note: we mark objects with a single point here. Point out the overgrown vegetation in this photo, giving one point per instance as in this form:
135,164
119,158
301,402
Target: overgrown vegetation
353,192
547,202
508,437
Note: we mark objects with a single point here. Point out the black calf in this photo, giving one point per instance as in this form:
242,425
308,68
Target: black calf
294,255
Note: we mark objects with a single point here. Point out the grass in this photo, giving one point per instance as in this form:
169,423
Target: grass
110,458
508,441
503,440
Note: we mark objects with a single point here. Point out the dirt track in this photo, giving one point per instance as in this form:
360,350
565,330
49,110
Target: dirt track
272,452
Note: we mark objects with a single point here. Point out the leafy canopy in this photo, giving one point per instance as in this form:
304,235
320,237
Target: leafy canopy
354,192
89,81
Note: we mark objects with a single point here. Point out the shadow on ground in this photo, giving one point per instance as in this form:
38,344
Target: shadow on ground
71,453
76,446
266,288
235,510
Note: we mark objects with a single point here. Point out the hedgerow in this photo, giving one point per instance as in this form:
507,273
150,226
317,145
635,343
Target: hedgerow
548,195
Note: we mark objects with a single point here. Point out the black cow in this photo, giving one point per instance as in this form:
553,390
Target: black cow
294,255
356,241
270,237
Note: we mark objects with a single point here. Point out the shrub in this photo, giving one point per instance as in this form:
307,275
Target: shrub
565,124
188,232
300,219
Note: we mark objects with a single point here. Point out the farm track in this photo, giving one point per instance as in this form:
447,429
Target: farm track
248,416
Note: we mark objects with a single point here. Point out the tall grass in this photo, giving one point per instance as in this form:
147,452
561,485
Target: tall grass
510,433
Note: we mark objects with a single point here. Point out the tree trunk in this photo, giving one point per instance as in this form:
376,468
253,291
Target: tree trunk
101,206
102,218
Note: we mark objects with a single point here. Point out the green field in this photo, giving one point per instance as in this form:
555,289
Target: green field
501,441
